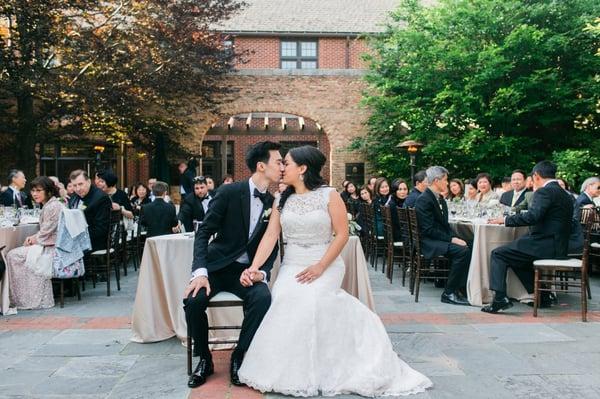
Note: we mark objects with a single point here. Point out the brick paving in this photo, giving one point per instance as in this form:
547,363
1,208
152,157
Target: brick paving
84,350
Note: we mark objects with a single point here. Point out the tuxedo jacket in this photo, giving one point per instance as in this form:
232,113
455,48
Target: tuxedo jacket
435,231
229,219
97,215
8,198
191,209
159,218
549,217
186,180
507,197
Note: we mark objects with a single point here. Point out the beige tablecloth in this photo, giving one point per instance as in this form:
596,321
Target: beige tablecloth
12,237
487,237
165,272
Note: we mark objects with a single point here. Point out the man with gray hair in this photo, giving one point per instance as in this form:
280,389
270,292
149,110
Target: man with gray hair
590,189
14,194
438,239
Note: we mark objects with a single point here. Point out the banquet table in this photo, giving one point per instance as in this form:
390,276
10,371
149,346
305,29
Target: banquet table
485,238
165,272
12,237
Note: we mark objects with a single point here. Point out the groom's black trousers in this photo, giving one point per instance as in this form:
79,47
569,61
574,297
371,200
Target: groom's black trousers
257,299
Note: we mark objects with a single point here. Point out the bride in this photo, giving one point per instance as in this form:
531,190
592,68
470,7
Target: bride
316,339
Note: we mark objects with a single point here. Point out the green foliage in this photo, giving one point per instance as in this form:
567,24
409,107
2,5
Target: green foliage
576,165
486,85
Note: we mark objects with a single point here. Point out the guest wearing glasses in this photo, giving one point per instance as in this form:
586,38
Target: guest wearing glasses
14,194
30,285
194,207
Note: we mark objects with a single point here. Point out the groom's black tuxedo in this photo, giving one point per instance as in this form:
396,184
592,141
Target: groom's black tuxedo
228,220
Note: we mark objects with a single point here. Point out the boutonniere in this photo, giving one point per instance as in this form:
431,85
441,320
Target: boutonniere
266,214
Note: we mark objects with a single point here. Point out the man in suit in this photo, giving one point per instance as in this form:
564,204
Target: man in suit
237,216
515,196
438,239
549,217
590,189
420,184
159,217
194,207
186,178
14,194
96,206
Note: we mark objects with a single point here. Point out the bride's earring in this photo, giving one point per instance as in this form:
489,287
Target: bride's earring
302,177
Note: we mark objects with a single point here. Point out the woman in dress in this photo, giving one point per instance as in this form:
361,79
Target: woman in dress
29,290
352,199
485,189
316,339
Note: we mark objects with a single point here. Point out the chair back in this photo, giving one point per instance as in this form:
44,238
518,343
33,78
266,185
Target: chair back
414,232
592,218
388,233
405,233
114,230
367,215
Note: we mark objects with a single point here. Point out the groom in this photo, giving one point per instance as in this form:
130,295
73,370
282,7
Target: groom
238,215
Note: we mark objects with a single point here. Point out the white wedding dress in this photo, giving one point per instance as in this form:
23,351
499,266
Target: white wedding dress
316,339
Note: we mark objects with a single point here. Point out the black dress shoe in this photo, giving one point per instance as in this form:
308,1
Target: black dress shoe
545,302
454,299
236,363
498,305
204,369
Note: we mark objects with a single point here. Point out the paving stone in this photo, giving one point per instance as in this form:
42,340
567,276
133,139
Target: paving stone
573,386
527,333
455,387
438,366
58,385
171,346
412,328
526,386
488,361
92,337
97,366
14,342
76,350
40,363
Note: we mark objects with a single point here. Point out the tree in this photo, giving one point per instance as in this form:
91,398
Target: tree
487,85
118,69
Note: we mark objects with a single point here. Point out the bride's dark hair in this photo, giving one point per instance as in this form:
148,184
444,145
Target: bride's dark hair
314,160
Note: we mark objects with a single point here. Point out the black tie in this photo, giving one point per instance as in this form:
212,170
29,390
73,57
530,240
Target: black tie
261,196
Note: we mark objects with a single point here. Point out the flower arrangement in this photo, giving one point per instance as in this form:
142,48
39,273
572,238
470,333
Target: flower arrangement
353,226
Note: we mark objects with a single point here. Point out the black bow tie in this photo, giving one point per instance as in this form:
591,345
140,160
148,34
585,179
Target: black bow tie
262,196
203,198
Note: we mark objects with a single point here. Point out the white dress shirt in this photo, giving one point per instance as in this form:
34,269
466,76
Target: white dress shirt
256,207
516,195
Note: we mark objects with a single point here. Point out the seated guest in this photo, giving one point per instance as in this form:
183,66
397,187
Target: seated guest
590,189
352,198
566,186
438,239
457,190
210,183
366,197
14,195
96,207
30,286
549,217
140,197
399,192
506,184
194,207
420,184
107,182
484,188
227,179
382,198
515,196
62,192
471,191
159,217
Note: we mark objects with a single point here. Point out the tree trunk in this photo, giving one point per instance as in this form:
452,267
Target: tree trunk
26,136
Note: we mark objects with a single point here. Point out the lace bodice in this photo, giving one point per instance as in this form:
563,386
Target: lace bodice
305,219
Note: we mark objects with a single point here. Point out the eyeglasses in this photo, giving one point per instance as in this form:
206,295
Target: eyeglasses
200,179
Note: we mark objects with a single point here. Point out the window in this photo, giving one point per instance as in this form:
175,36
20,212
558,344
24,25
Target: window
355,172
299,54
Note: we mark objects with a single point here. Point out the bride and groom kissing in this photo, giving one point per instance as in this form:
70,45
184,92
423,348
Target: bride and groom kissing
308,336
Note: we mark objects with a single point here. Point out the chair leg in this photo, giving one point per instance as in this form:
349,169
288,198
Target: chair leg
108,273
417,283
536,292
584,291
587,285
189,351
118,275
62,293
77,288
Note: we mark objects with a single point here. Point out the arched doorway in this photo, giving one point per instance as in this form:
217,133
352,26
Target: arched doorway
225,144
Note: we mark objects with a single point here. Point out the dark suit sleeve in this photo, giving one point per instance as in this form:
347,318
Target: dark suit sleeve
427,225
6,198
185,215
211,224
174,221
102,216
142,220
537,209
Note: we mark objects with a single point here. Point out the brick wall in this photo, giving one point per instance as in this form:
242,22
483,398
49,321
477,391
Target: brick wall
260,52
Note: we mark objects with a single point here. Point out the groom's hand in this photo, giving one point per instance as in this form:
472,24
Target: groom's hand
250,276
196,285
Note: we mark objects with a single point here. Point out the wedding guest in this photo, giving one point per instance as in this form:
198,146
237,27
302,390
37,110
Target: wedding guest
352,199
400,192
506,184
159,217
382,198
227,179
70,190
590,189
107,182
371,183
515,196
566,186
30,285
529,183
457,190
187,173
151,182
549,217
210,183
484,188
62,192
420,184
140,197
194,207
343,193
438,239
14,194
366,195
470,191
96,206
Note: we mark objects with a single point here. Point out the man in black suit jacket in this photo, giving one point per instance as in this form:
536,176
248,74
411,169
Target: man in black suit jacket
237,216
438,239
515,196
420,184
186,178
194,207
549,217
159,217
96,207
14,194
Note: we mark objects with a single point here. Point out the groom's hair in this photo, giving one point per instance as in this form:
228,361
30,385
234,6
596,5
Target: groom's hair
259,152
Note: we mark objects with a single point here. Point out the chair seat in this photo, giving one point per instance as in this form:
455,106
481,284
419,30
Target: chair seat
573,263
380,237
398,244
102,252
595,245
224,296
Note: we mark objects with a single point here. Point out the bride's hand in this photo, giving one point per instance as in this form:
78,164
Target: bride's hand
250,276
310,274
